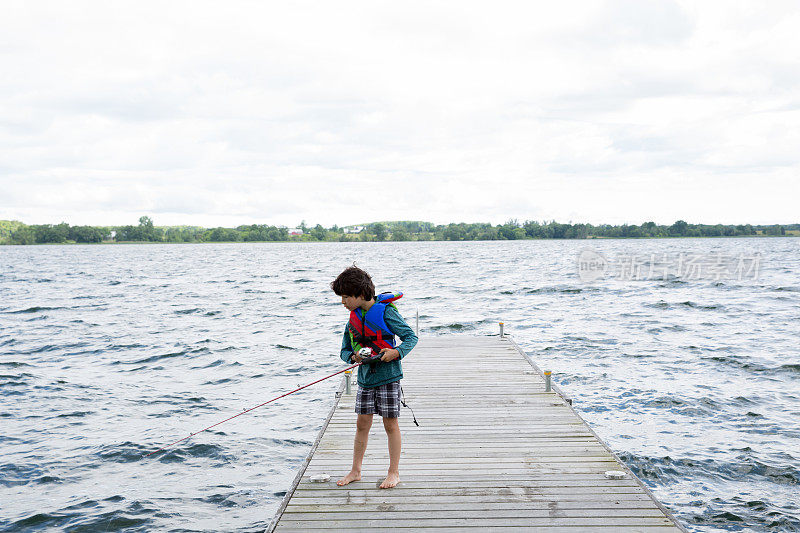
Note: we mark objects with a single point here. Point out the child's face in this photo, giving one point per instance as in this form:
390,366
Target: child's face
352,302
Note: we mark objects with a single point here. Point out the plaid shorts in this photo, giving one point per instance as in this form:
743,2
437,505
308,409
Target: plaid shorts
383,400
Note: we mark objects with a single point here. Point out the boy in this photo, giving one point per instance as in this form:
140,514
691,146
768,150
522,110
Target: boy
374,321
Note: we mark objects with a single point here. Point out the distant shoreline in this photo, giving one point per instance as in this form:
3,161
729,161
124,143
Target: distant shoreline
299,241
17,233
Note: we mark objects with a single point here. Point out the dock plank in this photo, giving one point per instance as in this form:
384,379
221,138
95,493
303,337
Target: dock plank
494,452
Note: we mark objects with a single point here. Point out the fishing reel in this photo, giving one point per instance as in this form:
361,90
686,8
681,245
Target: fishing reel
367,355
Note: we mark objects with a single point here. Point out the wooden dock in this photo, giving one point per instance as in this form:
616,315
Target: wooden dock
494,452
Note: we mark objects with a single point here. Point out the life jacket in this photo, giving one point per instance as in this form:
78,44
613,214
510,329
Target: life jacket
372,332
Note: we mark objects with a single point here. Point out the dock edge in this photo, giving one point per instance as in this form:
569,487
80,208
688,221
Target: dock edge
299,477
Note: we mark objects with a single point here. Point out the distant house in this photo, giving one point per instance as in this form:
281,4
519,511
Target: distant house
111,236
295,231
354,229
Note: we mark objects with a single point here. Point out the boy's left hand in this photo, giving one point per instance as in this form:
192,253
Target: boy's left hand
389,354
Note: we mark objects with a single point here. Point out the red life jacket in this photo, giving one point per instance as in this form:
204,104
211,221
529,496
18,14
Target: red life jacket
372,331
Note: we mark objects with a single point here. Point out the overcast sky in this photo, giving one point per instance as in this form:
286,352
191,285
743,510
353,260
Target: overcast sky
224,113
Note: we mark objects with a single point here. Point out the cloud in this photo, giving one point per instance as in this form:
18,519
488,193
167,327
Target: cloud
622,23
246,112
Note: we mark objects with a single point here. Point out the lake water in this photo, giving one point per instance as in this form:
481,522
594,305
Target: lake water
108,352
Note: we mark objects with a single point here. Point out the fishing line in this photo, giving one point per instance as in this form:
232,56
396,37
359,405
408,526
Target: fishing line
252,408
404,404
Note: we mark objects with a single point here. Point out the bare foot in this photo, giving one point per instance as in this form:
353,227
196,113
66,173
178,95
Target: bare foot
392,479
352,476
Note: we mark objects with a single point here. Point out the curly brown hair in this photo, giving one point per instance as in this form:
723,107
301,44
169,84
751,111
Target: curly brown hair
354,282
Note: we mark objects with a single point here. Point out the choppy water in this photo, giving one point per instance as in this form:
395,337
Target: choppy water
107,352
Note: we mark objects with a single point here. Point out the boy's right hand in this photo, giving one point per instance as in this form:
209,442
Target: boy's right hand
361,354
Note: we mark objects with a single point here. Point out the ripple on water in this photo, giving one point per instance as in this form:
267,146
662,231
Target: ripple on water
793,288
456,326
790,368
183,452
125,452
13,364
748,365
559,289
34,309
113,521
160,357
188,311
75,414
42,521
222,500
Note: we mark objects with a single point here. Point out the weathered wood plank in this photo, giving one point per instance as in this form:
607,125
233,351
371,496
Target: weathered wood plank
315,514
602,506
377,522
467,475
377,497
462,457
518,529
401,491
504,485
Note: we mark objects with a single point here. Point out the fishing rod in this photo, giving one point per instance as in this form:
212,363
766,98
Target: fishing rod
374,357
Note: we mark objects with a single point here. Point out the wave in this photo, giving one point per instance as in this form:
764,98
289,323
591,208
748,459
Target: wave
456,326
787,289
699,306
661,304
743,363
181,452
116,520
17,376
218,362
13,475
742,466
13,364
75,414
50,348
560,289
222,500
222,381
35,309
291,442
188,311
126,452
160,357
42,521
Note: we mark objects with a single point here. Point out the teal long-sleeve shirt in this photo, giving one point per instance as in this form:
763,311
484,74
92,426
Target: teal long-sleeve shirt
370,376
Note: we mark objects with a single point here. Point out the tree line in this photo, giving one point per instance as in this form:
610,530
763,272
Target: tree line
14,232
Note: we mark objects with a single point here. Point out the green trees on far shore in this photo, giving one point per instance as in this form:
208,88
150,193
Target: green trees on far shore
145,231
19,233
15,232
